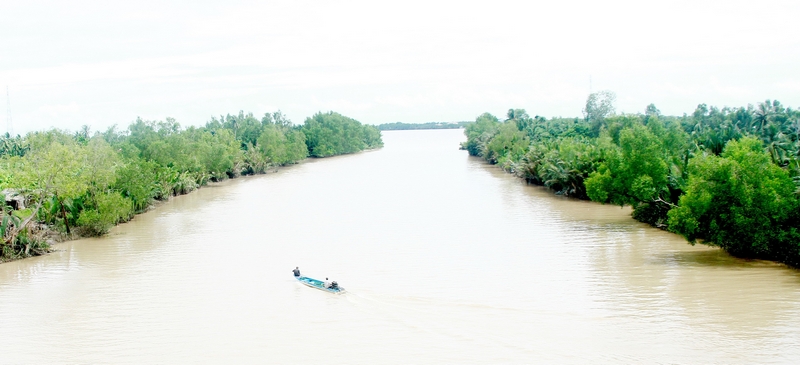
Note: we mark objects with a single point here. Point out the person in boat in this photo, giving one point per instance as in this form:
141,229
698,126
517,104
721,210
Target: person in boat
326,284
334,285
296,272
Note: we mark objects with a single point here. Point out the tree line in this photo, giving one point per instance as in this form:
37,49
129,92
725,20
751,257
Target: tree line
728,177
83,183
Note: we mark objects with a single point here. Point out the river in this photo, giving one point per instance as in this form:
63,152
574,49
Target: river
446,260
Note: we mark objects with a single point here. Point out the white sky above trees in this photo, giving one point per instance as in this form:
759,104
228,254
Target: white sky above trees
102,63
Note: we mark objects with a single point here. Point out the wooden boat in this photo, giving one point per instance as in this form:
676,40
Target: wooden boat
317,284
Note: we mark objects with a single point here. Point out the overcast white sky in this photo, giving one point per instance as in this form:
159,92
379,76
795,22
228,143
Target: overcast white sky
101,63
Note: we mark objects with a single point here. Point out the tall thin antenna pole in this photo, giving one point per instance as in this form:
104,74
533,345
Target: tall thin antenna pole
9,127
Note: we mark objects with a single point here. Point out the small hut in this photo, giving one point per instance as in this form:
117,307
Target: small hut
14,199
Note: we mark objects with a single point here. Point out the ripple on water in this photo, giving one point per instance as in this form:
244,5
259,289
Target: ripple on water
446,260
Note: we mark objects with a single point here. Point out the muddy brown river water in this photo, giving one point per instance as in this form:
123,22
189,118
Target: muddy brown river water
445,258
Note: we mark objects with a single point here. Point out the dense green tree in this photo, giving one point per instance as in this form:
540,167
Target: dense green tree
520,118
110,209
479,134
55,170
713,128
297,150
563,164
331,133
652,111
137,181
690,174
245,128
100,165
77,180
277,118
220,154
635,173
741,202
507,146
272,144
599,105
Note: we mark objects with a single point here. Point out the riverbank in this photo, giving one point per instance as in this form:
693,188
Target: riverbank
56,236
208,275
714,177
82,185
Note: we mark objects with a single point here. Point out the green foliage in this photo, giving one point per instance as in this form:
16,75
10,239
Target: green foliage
739,167
690,174
280,146
277,118
255,161
218,155
204,154
183,183
137,181
741,202
100,164
566,165
111,209
507,146
297,150
13,146
713,128
540,129
480,133
56,165
652,111
272,144
599,105
95,181
10,168
372,136
636,172
645,168
331,133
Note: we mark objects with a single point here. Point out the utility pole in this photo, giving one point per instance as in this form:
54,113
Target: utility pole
9,127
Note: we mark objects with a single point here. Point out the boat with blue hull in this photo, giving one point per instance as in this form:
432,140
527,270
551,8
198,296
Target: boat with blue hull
317,284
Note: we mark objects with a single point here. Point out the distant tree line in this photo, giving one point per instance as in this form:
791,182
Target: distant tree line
83,183
430,125
726,177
